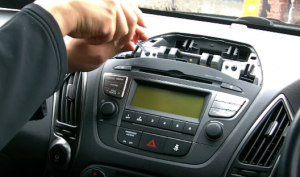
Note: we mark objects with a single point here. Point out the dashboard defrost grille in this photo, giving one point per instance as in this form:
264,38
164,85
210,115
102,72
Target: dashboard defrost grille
69,100
264,145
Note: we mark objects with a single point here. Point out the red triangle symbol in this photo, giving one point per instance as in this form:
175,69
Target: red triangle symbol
151,144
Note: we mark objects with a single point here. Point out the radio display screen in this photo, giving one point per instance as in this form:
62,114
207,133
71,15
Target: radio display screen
171,101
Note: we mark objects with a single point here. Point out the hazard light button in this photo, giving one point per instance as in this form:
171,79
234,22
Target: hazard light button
152,143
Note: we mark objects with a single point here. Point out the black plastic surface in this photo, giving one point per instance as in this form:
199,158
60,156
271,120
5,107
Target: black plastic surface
289,162
29,147
94,151
292,92
108,171
58,156
108,109
214,131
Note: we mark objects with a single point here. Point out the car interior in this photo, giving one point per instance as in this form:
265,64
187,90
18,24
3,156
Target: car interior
206,96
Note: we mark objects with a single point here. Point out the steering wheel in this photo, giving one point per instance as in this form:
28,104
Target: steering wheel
290,156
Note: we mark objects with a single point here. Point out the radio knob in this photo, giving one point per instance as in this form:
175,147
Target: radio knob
214,130
108,109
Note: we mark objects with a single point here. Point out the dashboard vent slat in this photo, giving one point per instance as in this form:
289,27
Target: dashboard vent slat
62,117
252,147
70,100
263,147
76,109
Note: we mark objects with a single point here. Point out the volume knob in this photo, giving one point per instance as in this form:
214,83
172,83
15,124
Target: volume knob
214,130
108,109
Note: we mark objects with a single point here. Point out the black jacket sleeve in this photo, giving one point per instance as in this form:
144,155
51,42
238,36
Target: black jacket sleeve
33,63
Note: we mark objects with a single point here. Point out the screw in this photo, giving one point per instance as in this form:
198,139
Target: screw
234,68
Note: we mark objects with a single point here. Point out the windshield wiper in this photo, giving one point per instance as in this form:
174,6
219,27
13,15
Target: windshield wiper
261,20
255,20
267,24
249,20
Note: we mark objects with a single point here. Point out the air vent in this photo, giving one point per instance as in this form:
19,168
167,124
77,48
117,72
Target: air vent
69,100
264,146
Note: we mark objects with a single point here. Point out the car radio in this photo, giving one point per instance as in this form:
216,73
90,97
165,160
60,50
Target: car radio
168,109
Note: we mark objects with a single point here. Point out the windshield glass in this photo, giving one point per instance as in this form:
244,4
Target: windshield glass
284,10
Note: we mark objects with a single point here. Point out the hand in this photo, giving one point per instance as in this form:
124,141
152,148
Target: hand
85,57
99,21
108,22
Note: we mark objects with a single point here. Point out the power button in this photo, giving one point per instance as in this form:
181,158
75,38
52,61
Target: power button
58,156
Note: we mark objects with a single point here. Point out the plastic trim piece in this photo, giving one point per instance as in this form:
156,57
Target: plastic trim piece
9,9
54,114
286,105
84,80
190,87
56,137
112,74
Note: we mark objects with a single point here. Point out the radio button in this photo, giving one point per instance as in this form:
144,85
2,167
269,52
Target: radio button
214,131
125,68
230,99
222,105
114,85
140,118
231,87
128,116
177,125
164,123
152,120
118,79
221,113
129,137
152,143
190,128
113,92
176,147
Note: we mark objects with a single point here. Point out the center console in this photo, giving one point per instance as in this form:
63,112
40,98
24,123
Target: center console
176,104
174,100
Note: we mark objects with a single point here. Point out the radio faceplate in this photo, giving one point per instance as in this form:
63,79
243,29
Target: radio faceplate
160,134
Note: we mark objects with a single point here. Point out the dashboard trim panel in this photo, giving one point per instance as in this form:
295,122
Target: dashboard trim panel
286,105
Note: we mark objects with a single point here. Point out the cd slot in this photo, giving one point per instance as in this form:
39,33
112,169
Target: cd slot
175,74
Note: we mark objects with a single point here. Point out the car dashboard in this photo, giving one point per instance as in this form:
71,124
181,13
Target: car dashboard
196,99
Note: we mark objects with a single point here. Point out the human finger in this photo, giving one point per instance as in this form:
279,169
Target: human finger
131,23
121,24
140,15
141,32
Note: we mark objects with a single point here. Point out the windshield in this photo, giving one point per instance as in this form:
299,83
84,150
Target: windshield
284,10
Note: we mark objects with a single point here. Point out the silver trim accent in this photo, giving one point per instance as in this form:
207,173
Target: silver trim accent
286,105
55,107
274,126
111,74
213,121
9,9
